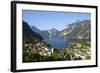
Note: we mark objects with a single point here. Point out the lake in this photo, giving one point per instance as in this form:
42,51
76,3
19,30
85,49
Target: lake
58,42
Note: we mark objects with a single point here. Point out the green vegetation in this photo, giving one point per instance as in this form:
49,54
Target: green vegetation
76,51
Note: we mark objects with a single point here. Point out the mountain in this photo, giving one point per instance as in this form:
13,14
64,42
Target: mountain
29,34
46,33
51,33
35,29
38,31
79,30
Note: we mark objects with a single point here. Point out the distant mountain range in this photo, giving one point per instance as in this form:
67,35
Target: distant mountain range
51,33
78,30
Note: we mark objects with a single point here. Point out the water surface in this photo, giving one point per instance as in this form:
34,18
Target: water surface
58,42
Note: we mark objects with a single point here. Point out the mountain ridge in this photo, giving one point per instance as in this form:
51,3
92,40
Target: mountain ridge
29,34
78,29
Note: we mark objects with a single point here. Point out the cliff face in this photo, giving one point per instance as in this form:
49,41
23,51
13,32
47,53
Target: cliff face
78,30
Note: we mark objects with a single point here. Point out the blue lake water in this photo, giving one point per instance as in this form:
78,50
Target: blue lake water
58,42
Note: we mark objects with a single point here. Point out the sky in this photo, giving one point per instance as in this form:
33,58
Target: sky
46,20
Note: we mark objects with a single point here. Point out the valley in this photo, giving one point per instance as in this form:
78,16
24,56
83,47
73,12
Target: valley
71,43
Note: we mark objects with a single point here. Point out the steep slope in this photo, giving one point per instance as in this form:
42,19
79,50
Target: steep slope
29,34
51,33
38,31
79,30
